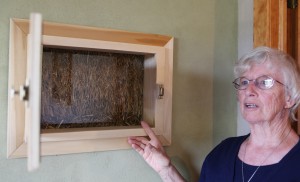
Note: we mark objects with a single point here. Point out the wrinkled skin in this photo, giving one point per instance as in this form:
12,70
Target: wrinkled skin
264,107
151,150
154,154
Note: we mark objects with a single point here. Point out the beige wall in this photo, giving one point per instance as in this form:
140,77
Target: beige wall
204,110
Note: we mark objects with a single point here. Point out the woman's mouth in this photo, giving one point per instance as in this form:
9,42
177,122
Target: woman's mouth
251,105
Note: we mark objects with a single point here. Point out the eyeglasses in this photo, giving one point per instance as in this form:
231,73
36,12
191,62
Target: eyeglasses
263,82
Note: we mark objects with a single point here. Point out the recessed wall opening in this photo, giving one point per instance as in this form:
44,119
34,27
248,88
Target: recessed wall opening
77,111
92,89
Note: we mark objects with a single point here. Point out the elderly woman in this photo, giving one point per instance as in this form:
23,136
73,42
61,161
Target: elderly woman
268,90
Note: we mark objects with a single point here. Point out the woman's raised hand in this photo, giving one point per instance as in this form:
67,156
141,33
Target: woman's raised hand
150,149
154,154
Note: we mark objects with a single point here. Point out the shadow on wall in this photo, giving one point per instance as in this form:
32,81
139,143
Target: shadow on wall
181,167
192,120
225,55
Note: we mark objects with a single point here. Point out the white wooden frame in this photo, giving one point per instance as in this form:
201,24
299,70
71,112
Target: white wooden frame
160,51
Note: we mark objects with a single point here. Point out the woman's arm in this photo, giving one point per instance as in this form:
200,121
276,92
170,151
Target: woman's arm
154,154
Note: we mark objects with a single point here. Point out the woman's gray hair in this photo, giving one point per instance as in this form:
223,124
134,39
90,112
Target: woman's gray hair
273,57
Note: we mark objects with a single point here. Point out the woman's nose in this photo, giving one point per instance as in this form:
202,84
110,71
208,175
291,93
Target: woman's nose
251,90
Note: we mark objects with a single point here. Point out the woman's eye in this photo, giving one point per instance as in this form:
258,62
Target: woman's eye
244,82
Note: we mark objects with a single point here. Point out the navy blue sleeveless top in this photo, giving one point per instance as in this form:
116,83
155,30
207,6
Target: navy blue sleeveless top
223,165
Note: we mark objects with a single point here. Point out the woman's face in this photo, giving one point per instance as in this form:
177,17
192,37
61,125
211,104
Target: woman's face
259,105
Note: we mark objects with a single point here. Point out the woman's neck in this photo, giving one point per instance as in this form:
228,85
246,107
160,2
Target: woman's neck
268,150
269,133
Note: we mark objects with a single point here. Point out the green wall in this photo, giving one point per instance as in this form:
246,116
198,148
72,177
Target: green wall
204,110
225,53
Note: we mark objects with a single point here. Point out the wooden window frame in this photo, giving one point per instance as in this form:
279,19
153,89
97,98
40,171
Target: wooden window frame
111,138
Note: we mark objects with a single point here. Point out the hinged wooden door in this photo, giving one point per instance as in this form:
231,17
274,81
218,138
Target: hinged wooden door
34,77
276,25
25,56
270,23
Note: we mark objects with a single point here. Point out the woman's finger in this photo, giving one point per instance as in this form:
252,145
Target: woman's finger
139,139
148,130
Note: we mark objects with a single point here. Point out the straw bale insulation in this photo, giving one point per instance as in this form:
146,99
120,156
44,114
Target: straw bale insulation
82,88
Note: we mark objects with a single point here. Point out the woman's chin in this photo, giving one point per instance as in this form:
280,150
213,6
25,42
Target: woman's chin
253,120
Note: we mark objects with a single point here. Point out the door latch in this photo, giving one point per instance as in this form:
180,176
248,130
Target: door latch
23,93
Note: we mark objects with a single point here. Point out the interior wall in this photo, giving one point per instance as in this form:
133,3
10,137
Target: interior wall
245,44
225,52
205,49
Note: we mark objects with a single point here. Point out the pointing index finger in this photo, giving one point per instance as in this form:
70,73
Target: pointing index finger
148,130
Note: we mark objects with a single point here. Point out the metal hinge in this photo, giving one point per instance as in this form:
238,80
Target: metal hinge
292,4
161,91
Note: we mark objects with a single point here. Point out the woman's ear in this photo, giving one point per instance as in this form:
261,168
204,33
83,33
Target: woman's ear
289,102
